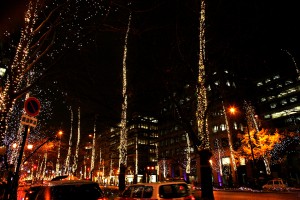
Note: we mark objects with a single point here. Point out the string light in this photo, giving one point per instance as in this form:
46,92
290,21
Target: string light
201,90
123,131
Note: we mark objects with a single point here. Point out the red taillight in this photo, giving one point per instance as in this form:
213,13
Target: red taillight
191,197
102,198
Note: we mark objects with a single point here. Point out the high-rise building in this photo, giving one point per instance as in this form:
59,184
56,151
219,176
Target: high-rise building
278,101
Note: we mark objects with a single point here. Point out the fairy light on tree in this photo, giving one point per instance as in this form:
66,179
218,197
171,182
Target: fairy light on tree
232,155
51,28
93,150
201,90
75,161
188,154
261,142
123,131
219,153
294,62
67,163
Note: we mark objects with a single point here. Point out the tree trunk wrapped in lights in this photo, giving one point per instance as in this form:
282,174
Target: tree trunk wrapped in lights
67,163
75,164
123,131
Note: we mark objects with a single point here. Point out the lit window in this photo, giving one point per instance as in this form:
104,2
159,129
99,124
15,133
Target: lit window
267,80
228,83
208,88
293,99
279,85
283,102
226,161
215,129
263,99
267,116
276,77
223,127
259,84
271,97
288,82
235,125
273,105
217,83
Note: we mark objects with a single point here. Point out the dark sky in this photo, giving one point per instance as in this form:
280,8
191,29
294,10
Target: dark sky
247,37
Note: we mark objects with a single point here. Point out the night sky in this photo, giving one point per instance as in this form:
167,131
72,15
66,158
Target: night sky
247,37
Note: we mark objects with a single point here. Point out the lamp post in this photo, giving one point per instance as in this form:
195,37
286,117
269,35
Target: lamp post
233,111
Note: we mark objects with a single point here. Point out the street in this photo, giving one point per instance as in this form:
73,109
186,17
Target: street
232,195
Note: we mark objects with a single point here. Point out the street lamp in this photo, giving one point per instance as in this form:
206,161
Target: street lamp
233,111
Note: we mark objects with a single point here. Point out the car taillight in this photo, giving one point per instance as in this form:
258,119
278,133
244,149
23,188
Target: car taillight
102,198
191,197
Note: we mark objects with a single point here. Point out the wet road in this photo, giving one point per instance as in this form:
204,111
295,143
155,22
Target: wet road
234,195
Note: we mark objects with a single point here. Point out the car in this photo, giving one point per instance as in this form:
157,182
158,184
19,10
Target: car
65,190
275,184
157,191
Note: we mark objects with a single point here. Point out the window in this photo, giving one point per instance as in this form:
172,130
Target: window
148,192
293,99
215,129
259,84
276,77
288,82
271,97
283,102
235,125
273,105
279,85
223,127
267,116
224,142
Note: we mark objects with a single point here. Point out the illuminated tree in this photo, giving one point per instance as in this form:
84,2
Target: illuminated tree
261,143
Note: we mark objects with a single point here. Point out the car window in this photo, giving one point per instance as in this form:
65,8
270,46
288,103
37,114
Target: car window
127,192
276,182
148,191
137,192
270,183
66,192
173,191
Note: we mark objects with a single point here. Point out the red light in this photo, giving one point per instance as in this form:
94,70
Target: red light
191,197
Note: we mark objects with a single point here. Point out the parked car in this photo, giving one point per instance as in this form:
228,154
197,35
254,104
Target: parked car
157,191
275,184
65,190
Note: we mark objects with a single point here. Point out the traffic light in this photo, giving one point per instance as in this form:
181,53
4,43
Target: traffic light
151,169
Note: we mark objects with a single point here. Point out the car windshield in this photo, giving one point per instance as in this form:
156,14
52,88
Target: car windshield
74,192
173,191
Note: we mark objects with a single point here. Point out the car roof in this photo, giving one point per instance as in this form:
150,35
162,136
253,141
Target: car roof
66,182
70,182
160,183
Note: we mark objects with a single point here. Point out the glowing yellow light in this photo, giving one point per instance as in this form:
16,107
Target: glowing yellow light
232,110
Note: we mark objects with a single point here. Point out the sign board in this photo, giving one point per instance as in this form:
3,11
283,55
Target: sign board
28,120
32,106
